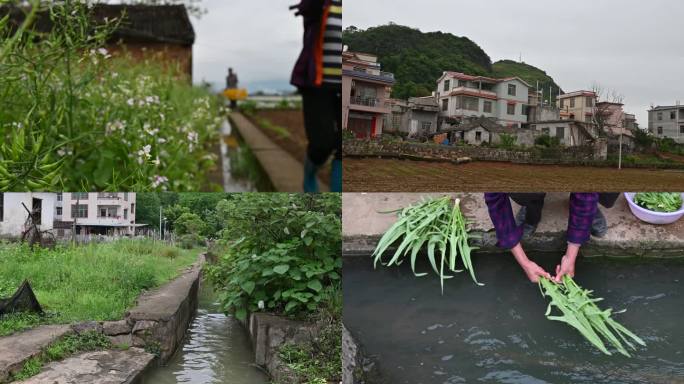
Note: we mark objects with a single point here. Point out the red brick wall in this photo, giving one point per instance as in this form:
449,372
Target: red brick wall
171,55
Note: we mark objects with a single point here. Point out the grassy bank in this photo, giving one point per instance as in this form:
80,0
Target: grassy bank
92,282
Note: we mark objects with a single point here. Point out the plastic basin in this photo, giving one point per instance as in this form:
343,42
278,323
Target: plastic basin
650,216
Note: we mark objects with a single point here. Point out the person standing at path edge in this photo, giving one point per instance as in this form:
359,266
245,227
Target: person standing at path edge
318,77
232,83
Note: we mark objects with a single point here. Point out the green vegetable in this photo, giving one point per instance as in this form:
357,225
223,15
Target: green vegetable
580,311
659,202
433,223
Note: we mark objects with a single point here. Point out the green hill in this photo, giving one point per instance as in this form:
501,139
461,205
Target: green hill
508,68
418,58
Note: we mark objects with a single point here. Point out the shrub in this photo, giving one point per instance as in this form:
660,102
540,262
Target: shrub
507,141
283,255
547,141
73,117
248,107
190,240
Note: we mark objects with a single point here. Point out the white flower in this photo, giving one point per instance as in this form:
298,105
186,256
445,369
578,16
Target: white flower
159,180
144,154
193,138
156,161
161,140
104,52
131,102
116,125
261,304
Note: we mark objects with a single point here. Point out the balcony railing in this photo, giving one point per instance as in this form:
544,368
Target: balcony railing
385,77
369,102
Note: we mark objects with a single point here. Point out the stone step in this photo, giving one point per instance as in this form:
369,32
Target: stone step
101,367
16,349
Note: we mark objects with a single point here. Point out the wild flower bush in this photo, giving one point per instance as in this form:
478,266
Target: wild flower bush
283,253
75,118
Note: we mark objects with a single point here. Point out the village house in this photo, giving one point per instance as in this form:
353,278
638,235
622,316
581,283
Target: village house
415,118
578,105
162,31
482,131
365,93
615,123
667,121
100,213
14,217
570,133
460,96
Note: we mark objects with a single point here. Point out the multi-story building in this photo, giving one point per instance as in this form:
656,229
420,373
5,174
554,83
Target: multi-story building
578,105
460,96
667,121
14,217
365,90
414,118
100,213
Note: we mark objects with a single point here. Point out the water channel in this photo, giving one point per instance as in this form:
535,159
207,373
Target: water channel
216,350
241,171
498,333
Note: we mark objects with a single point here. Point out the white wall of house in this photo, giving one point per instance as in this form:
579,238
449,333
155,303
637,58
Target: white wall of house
119,209
666,122
520,99
13,216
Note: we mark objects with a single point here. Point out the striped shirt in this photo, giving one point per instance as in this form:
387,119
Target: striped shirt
583,207
332,45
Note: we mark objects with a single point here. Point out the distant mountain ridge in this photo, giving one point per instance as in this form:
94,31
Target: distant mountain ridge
418,58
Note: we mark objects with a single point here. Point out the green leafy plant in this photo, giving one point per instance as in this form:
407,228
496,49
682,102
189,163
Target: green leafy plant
659,201
283,253
579,310
434,223
75,117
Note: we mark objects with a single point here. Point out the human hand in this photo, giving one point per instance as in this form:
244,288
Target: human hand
566,267
534,271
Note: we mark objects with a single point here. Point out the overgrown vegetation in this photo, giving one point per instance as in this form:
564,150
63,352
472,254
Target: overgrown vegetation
76,118
418,59
659,201
64,347
89,282
434,223
283,253
316,361
579,310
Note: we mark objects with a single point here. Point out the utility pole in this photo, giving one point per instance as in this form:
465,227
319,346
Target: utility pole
73,228
160,222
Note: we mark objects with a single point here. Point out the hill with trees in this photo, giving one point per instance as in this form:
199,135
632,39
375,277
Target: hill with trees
418,58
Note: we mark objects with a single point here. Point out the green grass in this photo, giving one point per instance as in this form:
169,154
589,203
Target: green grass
93,282
63,348
268,125
319,360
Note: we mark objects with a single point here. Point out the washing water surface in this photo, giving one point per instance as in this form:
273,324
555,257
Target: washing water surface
498,333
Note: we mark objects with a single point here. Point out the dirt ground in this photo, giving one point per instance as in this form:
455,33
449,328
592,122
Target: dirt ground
292,120
390,175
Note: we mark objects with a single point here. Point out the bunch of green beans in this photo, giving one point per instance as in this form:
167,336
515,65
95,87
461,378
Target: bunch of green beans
436,224
579,310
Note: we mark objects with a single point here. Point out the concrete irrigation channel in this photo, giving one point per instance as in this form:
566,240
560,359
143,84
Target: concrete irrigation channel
402,329
166,321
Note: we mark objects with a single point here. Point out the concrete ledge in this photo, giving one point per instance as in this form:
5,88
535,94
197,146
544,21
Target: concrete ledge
161,316
20,347
363,225
268,333
102,367
286,172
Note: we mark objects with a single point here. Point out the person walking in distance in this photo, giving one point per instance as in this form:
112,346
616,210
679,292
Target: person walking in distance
318,77
232,83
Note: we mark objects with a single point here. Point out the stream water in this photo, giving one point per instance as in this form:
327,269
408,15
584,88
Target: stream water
498,333
241,170
216,350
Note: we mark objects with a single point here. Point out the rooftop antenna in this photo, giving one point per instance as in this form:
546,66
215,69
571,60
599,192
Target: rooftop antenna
520,57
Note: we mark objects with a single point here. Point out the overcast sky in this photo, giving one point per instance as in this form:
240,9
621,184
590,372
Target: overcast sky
261,40
635,47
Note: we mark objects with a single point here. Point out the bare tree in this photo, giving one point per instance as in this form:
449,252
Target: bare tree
603,117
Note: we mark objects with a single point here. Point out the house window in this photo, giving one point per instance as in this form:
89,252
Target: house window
79,211
510,109
445,104
469,103
673,115
560,132
546,131
462,83
660,130
589,102
426,125
107,211
562,103
447,83
79,196
133,209
2,206
660,116
59,211
107,195
523,110
511,89
59,196
396,122
478,136
487,108
125,196
681,129
572,102
126,214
